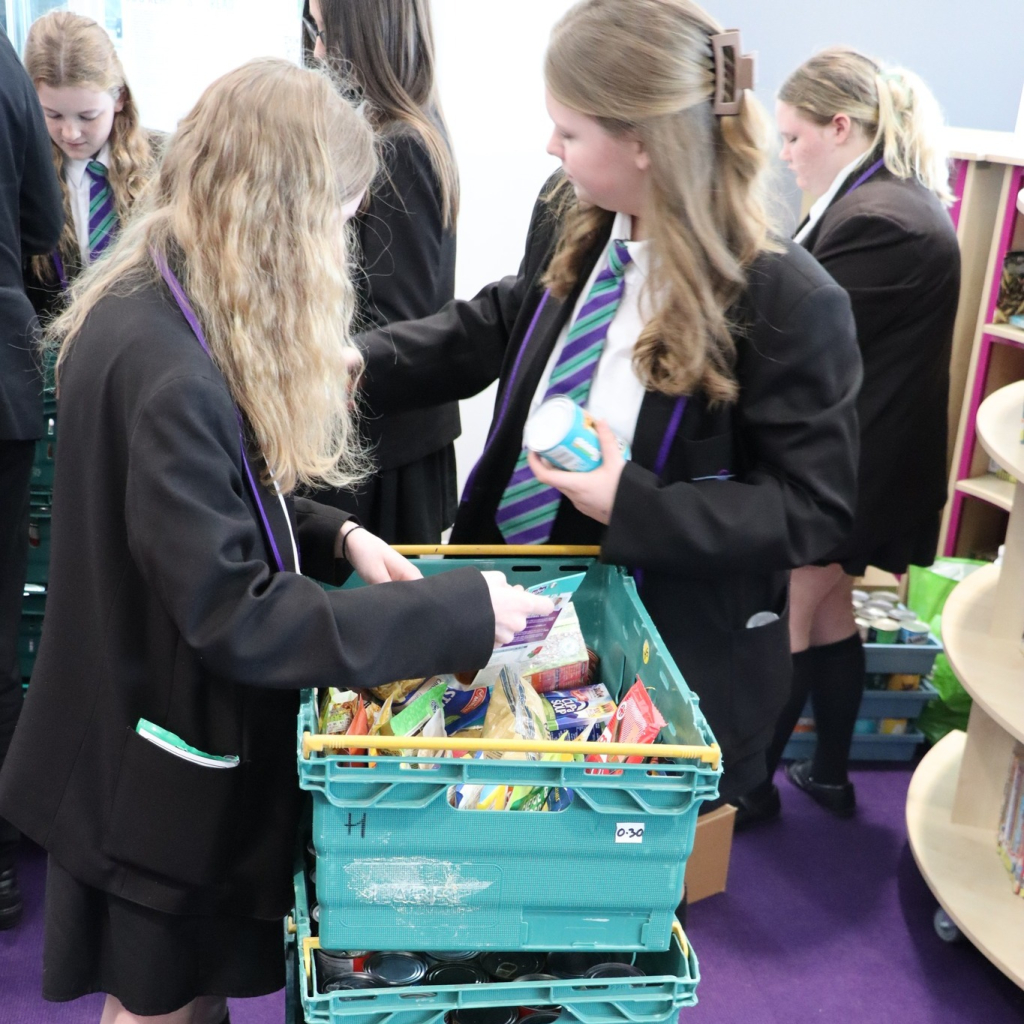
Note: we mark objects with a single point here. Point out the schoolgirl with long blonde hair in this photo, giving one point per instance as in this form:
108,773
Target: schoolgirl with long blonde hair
654,293
203,372
93,123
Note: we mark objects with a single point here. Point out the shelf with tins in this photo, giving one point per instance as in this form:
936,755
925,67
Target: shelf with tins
988,177
955,797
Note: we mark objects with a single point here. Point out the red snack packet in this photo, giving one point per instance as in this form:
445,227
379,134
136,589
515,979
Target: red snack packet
360,727
636,720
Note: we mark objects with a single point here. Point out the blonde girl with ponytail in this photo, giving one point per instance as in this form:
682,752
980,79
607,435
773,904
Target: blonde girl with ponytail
866,143
93,122
654,292
203,382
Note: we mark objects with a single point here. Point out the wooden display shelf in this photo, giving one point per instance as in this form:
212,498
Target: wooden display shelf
991,669
1006,332
960,863
999,426
985,146
989,488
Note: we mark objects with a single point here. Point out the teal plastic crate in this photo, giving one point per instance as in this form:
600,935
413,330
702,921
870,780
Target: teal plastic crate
399,868
670,986
39,523
912,659
42,463
865,747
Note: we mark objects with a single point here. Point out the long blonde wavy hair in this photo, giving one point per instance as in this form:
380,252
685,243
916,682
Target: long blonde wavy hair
248,209
65,50
892,106
644,68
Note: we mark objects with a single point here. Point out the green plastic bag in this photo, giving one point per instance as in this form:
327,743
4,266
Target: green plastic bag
926,595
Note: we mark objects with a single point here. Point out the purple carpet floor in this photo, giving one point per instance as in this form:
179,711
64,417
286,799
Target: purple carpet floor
825,921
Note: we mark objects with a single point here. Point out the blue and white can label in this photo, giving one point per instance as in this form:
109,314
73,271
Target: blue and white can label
564,433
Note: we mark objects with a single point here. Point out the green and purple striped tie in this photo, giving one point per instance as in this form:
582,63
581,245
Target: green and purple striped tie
102,215
528,508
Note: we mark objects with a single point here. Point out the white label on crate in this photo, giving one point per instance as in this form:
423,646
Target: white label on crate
629,832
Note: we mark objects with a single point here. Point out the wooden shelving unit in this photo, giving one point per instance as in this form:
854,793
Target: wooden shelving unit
988,174
955,796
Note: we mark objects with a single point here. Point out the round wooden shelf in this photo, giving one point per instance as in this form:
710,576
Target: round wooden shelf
960,863
999,427
991,669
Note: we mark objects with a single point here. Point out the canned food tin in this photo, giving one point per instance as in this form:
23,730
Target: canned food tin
541,1016
396,969
860,595
863,628
901,681
615,971
887,631
913,633
343,982
511,966
865,726
455,974
575,964
903,615
565,435
885,597
872,612
451,956
892,726
332,964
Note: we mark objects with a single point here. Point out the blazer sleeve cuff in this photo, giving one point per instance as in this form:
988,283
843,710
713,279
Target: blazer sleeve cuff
318,533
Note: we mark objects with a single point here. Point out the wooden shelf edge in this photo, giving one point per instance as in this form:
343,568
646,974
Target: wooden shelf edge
991,670
989,488
998,425
960,864
1006,332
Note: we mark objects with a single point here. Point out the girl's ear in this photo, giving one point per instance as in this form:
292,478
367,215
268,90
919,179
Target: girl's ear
842,126
642,157
119,101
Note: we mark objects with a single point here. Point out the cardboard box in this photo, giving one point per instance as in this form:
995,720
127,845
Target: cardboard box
708,866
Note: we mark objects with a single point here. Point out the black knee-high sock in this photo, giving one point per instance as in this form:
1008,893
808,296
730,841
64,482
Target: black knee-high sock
804,669
835,696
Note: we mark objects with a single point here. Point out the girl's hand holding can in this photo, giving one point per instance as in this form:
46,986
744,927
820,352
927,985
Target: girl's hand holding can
592,493
512,606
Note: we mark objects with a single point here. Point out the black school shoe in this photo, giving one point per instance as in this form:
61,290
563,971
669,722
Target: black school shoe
837,798
10,898
759,805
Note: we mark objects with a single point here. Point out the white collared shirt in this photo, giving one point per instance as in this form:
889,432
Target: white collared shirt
821,205
616,393
79,183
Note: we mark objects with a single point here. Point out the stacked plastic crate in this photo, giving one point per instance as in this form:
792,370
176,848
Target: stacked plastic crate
41,499
399,868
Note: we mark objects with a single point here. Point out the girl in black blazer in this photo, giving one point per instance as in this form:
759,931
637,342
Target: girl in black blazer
406,248
866,143
202,373
92,119
730,364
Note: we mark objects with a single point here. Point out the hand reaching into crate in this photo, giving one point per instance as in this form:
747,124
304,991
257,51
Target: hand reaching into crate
372,558
512,606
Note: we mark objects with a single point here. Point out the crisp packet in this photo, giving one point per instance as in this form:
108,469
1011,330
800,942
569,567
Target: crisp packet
434,728
637,720
337,711
572,712
464,708
416,713
399,692
515,711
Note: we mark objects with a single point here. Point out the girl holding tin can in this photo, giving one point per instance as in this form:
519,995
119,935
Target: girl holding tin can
654,294
866,142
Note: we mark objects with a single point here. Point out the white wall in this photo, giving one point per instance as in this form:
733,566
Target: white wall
490,57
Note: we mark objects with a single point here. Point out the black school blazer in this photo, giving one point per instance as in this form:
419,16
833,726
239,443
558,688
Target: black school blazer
747,491
892,247
163,604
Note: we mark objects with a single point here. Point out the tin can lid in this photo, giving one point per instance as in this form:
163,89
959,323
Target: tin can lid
354,979
538,977
886,624
314,912
452,956
541,1017
455,974
614,970
574,964
396,968
485,1015
549,423
509,966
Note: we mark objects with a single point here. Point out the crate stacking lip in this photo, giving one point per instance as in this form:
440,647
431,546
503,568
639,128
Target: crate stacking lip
669,986
914,659
399,868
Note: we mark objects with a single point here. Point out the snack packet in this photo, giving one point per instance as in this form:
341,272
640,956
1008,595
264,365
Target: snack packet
572,712
337,710
433,728
399,692
561,660
416,713
465,707
515,711
636,720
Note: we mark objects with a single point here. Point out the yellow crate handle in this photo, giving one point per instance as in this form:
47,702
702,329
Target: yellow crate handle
317,742
502,550
290,927
309,943
677,931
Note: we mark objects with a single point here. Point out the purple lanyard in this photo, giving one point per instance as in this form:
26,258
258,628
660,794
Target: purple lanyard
62,276
193,321
876,166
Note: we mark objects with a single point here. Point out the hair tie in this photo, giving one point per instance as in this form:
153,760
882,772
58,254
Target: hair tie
726,49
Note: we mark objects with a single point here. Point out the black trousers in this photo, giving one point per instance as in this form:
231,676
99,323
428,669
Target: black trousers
15,476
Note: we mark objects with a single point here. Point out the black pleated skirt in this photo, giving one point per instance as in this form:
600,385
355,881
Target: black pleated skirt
153,962
895,554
